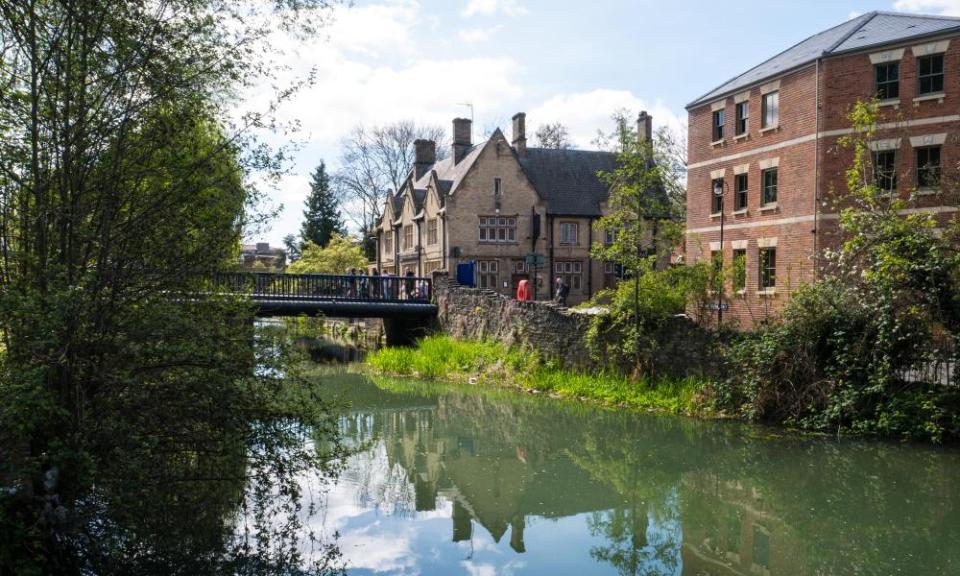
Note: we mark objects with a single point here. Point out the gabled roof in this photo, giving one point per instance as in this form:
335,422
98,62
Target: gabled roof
865,31
567,179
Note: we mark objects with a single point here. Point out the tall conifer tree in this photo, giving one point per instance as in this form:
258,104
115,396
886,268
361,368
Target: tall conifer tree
321,219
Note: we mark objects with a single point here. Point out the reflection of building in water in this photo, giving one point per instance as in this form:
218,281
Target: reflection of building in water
497,480
728,530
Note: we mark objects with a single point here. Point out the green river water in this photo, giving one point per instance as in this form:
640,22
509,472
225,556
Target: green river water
470,480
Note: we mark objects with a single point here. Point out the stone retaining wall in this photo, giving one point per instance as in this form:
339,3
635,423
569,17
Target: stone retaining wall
476,314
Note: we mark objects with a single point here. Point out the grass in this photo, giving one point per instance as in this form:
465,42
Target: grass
443,358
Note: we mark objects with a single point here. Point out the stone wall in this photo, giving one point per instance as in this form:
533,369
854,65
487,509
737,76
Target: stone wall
471,313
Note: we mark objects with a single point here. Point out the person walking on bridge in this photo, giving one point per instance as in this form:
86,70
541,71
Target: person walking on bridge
563,290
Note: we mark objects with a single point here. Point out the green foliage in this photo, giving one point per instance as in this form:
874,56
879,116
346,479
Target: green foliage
340,255
627,334
840,355
321,219
441,357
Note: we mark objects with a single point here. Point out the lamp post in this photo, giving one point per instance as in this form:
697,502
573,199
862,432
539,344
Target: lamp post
718,189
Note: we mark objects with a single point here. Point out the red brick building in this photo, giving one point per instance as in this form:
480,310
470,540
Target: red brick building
768,139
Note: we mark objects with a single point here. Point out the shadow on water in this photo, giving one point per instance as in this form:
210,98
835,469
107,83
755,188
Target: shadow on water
461,479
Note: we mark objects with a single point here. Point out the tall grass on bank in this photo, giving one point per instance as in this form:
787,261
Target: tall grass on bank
442,357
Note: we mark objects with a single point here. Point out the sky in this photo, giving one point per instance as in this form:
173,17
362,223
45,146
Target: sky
568,61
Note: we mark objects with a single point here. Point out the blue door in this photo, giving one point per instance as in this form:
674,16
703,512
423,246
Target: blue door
465,273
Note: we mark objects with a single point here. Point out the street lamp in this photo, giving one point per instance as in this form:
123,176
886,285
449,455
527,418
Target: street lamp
718,189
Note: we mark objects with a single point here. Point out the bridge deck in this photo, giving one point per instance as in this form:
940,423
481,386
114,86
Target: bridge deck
336,295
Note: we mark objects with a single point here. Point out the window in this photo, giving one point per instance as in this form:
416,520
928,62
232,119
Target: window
571,272
739,269
771,110
487,271
718,117
768,268
497,190
498,229
928,167
930,74
743,117
885,170
887,80
408,237
388,243
716,270
431,231
717,199
769,195
740,185
609,237
519,267
610,268
569,233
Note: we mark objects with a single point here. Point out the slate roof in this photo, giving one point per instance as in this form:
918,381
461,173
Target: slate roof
865,31
567,179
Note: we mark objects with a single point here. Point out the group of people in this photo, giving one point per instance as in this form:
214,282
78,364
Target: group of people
562,291
386,286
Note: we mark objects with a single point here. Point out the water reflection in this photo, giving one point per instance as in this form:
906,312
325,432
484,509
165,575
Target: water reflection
469,480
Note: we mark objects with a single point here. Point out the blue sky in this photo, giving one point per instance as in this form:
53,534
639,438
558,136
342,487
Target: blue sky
571,61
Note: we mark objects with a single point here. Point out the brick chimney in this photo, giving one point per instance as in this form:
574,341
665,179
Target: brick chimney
520,133
425,156
645,127
462,138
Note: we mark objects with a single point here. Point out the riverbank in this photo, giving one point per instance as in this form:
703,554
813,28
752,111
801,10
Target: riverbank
494,363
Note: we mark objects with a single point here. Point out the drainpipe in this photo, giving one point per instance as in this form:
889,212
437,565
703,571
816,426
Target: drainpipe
419,250
589,258
443,240
379,259
816,182
550,269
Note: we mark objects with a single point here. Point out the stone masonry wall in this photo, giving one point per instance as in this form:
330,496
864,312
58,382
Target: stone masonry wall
470,313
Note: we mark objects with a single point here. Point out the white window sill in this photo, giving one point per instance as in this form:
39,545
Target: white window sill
774,128
743,136
927,191
938,96
767,293
716,143
769,207
895,102
742,212
742,293
715,215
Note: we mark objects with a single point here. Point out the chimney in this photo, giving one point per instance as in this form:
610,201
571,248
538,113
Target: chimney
462,135
425,156
644,127
520,133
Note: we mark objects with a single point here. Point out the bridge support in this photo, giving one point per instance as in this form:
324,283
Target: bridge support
405,330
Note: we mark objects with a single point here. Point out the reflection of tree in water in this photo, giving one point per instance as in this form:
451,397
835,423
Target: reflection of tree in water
633,546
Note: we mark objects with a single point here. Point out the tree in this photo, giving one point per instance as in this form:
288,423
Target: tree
292,244
553,136
338,256
376,161
321,219
124,187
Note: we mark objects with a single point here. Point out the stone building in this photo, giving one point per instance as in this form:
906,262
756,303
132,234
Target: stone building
769,140
263,257
496,203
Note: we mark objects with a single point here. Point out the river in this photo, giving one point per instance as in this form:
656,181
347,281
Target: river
470,480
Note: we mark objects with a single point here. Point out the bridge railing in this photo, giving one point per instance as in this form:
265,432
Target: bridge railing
322,287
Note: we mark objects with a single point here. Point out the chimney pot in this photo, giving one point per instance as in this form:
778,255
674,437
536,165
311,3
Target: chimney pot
425,155
520,133
462,138
645,127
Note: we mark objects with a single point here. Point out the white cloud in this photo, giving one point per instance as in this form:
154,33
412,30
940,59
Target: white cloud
940,7
375,29
583,113
490,7
477,35
853,15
